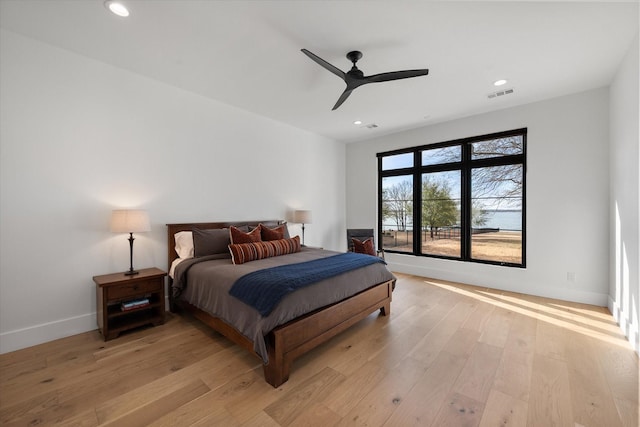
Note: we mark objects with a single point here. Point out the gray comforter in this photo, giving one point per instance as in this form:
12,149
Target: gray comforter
205,283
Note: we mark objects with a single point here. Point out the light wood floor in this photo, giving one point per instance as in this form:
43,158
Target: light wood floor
449,355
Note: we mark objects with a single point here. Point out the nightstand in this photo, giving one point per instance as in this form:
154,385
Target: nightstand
126,302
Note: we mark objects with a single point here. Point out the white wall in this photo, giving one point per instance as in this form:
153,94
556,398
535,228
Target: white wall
624,281
567,197
80,138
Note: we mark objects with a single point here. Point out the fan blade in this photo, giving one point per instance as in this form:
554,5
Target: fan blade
342,98
335,70
395,75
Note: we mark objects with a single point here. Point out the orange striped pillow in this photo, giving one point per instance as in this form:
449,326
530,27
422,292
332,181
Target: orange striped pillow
245,252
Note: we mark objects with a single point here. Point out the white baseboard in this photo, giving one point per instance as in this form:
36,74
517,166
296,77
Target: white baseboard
474,279
38,334
623,322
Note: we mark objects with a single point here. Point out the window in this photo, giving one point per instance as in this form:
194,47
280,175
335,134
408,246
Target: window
397,208
462,199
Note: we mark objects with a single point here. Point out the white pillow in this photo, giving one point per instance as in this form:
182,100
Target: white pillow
184,244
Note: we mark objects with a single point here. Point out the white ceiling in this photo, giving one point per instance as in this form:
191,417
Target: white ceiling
247,53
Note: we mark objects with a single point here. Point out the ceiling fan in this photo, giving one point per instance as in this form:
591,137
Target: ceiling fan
355,78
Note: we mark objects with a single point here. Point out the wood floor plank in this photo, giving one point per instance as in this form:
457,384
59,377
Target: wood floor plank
496,330
87,418
317,415
513,376
428,348
521,339
592,404
205,406
422,404
148,410
462,342
380,403
478,374
126,403
459,411
18,368
296,401
359,349
251,395
503,410
479,317
550,338
621,369
628,411
232,363
348,394
212,408
396,347
259,420
550,397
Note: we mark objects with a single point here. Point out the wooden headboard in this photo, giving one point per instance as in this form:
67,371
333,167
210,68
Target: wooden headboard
172,229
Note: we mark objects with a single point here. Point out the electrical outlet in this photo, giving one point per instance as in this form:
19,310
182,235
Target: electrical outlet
571,276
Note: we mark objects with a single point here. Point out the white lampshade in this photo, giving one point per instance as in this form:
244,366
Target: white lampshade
130,221
302,217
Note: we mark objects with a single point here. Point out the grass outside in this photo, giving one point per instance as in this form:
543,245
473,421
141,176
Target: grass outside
500,246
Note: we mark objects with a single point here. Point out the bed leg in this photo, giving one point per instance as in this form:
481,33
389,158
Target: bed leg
276,372
385,310
276,375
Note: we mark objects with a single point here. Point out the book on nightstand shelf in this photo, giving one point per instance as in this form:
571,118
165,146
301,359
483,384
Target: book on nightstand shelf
130,305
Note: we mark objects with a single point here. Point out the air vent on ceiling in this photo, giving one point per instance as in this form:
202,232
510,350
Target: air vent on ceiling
500,93
371,126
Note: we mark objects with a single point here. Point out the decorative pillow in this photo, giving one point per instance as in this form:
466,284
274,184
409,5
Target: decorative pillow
270,224
210,242
245,252
237,236
365,247
184,244
278,233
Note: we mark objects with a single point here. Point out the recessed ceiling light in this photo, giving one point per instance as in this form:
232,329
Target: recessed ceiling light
357,122
499,82
117,8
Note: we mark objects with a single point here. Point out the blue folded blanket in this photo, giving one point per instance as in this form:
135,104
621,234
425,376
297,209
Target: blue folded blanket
264,289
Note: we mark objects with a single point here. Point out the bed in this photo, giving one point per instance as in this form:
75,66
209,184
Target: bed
303,319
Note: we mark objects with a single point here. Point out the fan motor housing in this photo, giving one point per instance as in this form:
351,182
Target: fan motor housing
354,56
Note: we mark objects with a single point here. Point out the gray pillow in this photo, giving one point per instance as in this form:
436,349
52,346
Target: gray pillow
210,242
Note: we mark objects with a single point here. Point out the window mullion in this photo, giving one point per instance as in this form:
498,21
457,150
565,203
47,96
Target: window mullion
417,203
465,203
380,202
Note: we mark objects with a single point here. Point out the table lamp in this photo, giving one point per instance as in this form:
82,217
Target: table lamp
130,221
302,217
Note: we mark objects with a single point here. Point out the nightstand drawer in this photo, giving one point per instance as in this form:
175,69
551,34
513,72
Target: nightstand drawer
133,289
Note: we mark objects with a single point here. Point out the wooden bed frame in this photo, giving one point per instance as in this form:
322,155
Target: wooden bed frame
291,340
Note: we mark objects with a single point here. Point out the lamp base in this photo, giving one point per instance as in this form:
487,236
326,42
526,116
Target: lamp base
131,271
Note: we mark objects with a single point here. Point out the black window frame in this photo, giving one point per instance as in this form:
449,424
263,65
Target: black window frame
465,166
